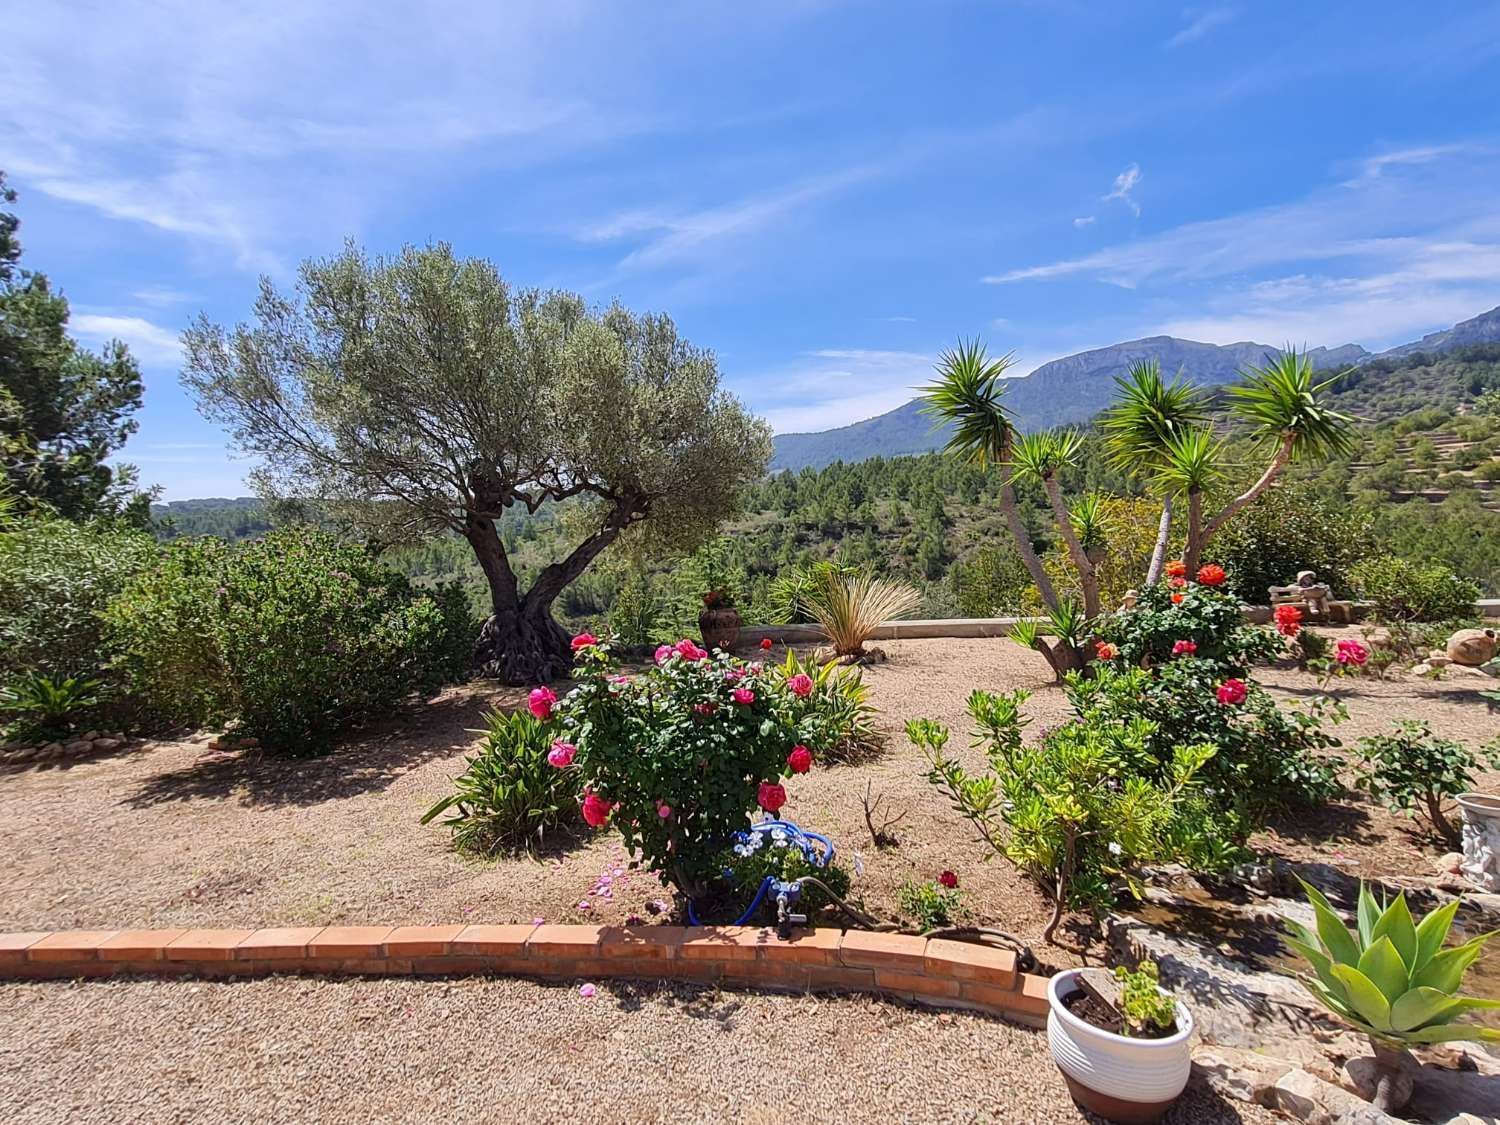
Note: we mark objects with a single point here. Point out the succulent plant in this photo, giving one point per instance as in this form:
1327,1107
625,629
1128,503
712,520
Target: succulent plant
1391,978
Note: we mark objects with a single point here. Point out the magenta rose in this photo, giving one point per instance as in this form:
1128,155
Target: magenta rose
800,759
562,753
583,640
801,684
540,702
1232,692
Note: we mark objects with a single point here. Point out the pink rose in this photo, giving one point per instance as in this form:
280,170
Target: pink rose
663,809
703,708
663,653
771,796
584,640
744,695
800,759
1351,652
801,684
734,673
1232,692
689,651
596,810
540,701
561,754
1184,648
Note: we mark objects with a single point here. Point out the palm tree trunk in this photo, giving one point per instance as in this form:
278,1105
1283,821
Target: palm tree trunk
1230,510
1088,576
1163,537
1195,538
1022,537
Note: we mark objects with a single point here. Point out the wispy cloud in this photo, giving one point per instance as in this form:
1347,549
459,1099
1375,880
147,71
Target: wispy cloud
149,343
1125,183
1083,221
1200,22
836,386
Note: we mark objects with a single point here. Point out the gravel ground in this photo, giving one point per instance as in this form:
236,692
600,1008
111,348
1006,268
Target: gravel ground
177,834
305,1051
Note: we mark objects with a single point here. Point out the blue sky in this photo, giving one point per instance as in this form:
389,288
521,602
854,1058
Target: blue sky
824,193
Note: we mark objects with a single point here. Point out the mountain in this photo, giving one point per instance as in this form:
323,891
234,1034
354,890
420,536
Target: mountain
1077,387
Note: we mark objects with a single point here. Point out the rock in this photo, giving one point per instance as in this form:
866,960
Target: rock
1245,1075
1441,1094
78,747
1308,1098
1257,614
105,745
1437,658
1491,669
93,734
248,743
1258,877
1362,1074
52,748
1450,863
1473,647
1423,669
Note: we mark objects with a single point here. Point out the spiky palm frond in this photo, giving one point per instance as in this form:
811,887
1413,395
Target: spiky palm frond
967,393
1090,516
1193,461
1148,414
1281,400
850,606
1043,455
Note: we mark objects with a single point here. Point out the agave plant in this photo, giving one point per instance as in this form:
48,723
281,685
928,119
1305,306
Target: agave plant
44,708
851,606
1391,976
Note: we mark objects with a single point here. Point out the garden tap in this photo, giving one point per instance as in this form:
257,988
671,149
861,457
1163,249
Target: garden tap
787,895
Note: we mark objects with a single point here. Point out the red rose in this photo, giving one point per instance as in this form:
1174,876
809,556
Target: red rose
765,644
771,796
1211,575
1176,568
1106,651
583,640
800,759
949,880
1176,599
1288,620
1232,692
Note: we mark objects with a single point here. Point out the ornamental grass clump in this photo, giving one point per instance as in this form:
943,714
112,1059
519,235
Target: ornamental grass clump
850,607
1392,979
678,758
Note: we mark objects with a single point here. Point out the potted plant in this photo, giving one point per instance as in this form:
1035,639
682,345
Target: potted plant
1121,1041
719,622
1392,979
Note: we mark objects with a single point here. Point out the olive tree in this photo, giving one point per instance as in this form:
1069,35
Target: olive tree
424,394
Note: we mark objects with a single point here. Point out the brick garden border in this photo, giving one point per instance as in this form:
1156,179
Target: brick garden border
930,971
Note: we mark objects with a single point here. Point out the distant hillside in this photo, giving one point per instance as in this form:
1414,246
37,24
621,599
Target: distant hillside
1076,387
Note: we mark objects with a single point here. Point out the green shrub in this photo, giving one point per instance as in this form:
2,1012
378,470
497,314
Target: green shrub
1084,806
1409,591
788,598
1146,1011
42,709
933,905
294,637
636,612
746,865
1413,772
1207,617
510,795
56,578
1295,528
680,756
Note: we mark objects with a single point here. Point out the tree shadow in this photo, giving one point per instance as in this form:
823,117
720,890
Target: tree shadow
370,761
1329,823
9,764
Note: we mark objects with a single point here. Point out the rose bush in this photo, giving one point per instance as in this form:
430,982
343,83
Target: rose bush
1194,619
679,758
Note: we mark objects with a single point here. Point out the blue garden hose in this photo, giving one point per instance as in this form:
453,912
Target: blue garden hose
800,838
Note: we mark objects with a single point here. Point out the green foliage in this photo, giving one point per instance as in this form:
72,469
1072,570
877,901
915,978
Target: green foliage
850,607
63,410
1085,805
56,578
1412,591
1391,977
836,719
1415,772
294,637
1285,400
1207,616
42,709
675,737
933,905
636,612
967,396
509,795
790,591
1147,1011
1297,527
991,582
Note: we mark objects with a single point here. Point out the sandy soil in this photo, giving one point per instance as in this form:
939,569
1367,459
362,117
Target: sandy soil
305,1051
174,833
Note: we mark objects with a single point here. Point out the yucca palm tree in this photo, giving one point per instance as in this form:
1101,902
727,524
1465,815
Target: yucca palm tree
1041,457
849,606
1148,415
1193,465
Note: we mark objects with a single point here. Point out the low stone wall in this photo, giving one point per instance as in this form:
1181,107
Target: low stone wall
936,971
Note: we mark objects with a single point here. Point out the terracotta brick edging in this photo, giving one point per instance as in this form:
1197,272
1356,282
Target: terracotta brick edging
937,971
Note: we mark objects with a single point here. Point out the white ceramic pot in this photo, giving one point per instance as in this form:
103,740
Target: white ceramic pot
1481,840
1116,1076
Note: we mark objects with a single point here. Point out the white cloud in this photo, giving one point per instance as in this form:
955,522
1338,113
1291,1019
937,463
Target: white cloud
1084,221
1200,23
836,386
161,296
1125,183
149,343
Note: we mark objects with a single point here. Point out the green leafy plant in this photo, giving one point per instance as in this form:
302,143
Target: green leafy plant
933,905
1413,771
849,607
1085,805
746,866
1409,591
43,709
834,717
1207,617
1391,977
509,795
1144,1009
678,757
1067,622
